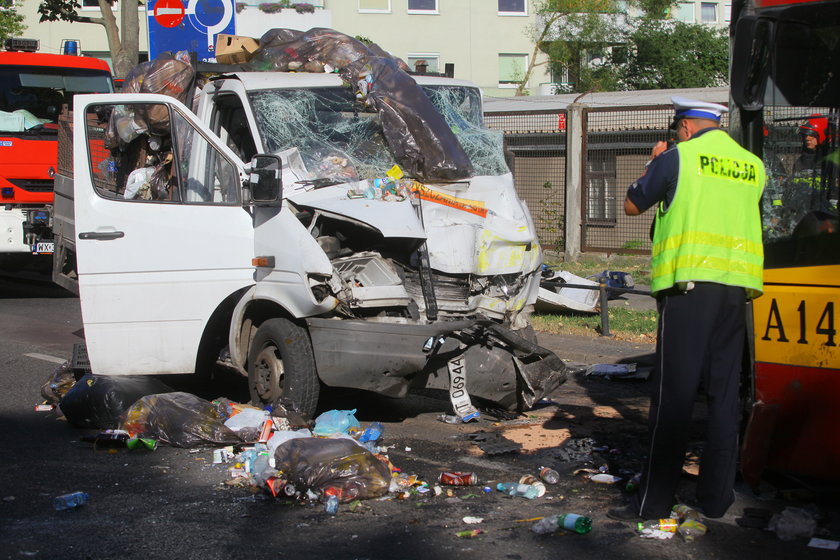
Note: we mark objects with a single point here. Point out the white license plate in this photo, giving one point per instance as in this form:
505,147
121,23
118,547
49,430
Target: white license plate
43,248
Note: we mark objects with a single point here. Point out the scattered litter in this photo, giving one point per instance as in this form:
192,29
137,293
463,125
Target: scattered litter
823,543
473,520
70,501
528,491
458,478
336,422
569,521
549,476
578,449
469,534
604,478
610,370
793,523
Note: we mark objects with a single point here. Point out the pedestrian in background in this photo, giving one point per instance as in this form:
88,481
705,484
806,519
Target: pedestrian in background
706,262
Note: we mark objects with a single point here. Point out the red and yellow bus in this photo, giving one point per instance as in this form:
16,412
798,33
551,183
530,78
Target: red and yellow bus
785,88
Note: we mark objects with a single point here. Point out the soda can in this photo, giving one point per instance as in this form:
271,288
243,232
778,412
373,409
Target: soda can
458,478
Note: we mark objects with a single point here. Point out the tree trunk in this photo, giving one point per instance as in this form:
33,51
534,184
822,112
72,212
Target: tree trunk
532,63
130,37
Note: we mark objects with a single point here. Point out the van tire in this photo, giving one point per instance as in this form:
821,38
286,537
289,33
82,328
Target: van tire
281,364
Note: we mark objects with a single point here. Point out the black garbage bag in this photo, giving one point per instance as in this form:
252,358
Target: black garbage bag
421,141
98,401
179,419
349,469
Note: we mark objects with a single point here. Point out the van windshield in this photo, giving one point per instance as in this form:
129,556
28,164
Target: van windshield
340,139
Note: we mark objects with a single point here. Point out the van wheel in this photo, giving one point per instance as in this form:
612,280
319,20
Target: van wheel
281,364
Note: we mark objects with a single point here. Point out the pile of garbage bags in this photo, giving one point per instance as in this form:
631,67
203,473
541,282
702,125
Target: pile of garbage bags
277,448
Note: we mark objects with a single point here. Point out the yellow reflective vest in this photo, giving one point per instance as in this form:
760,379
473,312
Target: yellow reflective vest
711,231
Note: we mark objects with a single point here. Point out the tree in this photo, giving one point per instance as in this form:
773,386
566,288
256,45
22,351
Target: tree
664,54
573,33
124,46
11,22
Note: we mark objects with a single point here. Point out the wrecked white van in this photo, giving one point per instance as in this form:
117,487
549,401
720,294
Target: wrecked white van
273,231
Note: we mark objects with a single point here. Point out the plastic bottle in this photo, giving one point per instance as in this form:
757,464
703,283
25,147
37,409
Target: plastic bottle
331,505
685,512
70,501
568,521
372,432
665,525
691,528
516,489
549,476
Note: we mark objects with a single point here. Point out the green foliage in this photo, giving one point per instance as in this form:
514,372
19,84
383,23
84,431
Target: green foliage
664,54
59,10
603,49
11,22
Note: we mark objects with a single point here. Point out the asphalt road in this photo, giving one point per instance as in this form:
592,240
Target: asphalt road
172,502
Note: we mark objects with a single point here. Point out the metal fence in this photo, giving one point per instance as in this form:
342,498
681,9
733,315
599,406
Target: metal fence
536,144
616,143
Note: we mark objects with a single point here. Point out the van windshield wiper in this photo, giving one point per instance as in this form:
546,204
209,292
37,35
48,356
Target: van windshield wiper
320,183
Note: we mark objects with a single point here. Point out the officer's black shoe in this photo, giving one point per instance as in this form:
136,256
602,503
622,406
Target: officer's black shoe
625,514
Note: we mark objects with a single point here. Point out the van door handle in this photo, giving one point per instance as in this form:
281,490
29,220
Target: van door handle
101,235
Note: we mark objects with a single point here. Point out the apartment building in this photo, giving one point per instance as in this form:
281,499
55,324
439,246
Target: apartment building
488,41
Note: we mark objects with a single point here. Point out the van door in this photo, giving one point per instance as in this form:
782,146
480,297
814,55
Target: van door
162,234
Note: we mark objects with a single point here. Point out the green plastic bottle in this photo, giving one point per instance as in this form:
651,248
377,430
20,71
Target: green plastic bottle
568,521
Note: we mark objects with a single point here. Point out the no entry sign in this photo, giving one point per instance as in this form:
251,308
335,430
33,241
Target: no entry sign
169,13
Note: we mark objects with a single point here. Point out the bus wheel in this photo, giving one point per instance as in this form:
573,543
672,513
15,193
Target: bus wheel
281,364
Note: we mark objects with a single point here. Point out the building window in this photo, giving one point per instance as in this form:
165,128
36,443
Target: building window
708,12
375,6
727,13
512,8
601,190
684,12
422,6
431,61
512,69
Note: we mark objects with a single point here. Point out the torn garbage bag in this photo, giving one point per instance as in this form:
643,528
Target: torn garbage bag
421,141
61,381
179,419
342,464
98,401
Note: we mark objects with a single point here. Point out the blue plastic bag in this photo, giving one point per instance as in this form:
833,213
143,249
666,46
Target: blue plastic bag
336,422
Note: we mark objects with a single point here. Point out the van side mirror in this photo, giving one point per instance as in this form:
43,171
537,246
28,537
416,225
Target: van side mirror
265,181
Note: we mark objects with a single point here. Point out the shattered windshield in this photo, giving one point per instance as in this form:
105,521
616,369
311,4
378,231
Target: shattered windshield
338,138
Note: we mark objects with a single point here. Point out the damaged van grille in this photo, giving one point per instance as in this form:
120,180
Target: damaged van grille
451,293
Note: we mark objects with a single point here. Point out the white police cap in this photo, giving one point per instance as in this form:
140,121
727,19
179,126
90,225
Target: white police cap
691,108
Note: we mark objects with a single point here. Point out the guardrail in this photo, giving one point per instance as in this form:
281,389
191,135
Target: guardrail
602,288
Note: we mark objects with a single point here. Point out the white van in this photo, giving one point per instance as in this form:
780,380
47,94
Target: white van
270,231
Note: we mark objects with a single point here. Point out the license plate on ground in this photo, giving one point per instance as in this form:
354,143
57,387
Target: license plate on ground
43,248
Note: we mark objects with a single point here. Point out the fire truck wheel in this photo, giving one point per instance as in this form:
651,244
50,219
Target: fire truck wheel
281,364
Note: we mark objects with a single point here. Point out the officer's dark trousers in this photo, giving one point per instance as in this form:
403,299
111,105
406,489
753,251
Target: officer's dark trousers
699,344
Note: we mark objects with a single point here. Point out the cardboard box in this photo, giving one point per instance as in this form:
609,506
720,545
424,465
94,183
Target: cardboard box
234,49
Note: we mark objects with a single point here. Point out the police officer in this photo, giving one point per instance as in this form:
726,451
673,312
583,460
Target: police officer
706,261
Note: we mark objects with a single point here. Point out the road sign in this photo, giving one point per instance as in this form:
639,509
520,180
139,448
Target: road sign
169,13
188,25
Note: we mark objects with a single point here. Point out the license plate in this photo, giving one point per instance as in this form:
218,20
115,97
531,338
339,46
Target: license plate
43,248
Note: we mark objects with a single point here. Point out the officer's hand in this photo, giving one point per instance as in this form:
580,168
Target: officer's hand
660,147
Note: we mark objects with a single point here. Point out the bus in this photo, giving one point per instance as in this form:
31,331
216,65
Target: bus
785,96
34,87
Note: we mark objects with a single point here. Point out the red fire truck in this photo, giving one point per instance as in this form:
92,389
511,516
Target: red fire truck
34,87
